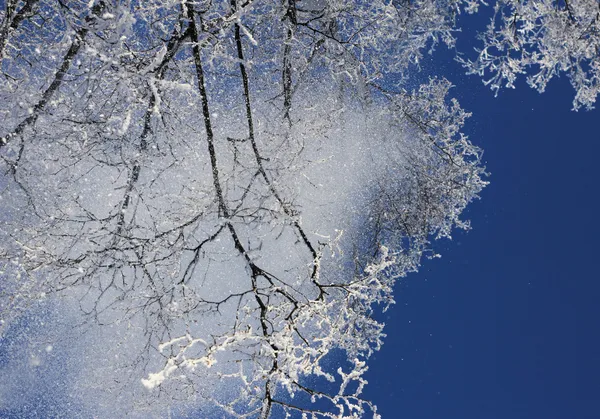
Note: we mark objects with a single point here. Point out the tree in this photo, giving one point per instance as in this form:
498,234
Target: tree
551,37
232,186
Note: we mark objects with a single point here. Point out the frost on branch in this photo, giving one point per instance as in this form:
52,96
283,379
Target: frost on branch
275,363
542,38
227,189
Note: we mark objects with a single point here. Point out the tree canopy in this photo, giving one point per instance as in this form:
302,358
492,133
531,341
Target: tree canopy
232,188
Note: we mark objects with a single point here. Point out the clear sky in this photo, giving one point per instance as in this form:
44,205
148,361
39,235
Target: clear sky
505,325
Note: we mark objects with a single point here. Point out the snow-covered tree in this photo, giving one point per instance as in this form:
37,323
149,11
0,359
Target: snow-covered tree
542,38
232,187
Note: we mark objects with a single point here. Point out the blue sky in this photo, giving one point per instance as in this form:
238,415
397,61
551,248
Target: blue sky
505,325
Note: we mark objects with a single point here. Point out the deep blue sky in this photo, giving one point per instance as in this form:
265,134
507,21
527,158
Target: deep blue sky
505,325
